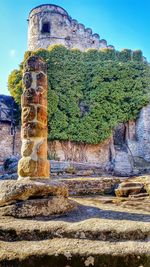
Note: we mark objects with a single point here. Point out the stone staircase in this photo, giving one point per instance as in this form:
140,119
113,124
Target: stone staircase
96,233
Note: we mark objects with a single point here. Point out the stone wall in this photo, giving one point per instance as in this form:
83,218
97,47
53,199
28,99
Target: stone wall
71,151
127,153
51,24
6,141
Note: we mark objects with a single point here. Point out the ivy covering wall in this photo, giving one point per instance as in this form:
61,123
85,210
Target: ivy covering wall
90,92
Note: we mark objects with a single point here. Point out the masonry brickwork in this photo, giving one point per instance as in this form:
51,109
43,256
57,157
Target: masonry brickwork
9,143
51,24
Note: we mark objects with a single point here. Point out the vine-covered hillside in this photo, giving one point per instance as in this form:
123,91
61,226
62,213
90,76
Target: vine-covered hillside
90,92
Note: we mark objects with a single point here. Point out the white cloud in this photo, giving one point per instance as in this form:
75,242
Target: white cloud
12,53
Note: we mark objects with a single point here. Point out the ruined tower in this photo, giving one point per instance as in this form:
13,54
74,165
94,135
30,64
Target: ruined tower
51,24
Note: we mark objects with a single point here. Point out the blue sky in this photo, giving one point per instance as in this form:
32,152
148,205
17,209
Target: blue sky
123,23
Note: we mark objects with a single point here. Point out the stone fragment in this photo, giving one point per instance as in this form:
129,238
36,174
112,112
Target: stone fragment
12,191
129,188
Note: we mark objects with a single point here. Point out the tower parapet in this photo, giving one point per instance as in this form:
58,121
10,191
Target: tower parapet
51,24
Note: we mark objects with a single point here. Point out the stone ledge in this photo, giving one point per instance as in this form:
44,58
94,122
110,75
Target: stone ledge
45,207
90,185
95,234
73,252
21,190
94,219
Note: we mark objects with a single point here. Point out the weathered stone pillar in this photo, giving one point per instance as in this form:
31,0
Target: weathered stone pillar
34,163
39,195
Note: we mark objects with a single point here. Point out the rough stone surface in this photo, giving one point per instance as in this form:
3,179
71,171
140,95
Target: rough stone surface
126,154
82,153
12,191
91,186
34,163
129,188
6,141
123,163
147,188
60,28
134,186
45,207
95,218
73,253
9,134
100,233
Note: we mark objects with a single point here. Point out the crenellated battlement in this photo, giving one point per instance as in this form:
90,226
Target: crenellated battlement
51,24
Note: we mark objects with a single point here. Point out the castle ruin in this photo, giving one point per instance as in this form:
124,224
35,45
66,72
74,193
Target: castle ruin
51,24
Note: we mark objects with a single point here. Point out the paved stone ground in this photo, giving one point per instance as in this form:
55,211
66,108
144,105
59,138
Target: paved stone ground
100,233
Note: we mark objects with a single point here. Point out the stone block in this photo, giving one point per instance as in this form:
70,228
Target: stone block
43,169
27,147
42,149
28,114
27,167
38,96
129,188
28,97
33,129
42,115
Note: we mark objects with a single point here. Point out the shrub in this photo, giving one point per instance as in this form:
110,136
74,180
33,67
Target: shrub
90,92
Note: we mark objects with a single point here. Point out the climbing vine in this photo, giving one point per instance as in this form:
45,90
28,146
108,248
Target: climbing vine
90,92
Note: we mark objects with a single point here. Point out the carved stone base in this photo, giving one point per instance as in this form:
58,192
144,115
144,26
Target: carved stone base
28,198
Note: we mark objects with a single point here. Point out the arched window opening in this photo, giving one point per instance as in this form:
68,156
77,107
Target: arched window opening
45,27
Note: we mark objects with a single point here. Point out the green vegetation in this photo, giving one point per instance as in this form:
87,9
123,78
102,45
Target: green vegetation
90,92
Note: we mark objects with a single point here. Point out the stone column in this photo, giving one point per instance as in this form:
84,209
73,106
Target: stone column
34,163
39,195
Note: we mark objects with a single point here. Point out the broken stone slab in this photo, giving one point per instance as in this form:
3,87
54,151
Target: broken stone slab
129,188
43,207
13,191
